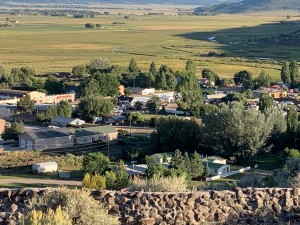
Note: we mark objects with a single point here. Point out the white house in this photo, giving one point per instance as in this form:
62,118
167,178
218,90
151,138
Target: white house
218,169
141,91
46,167
160,157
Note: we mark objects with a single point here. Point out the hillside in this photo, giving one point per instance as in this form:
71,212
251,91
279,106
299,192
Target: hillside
179,2
252,6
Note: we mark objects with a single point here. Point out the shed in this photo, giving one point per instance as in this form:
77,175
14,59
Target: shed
45,167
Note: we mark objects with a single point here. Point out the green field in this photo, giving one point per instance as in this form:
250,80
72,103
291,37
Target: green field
52,44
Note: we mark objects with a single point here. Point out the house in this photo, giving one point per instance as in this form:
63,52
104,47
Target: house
46,139
165,96
27,118
215,159
273,92
215,98
45,167
103,133
218,169
84,136
140,91
64,122
162,157
6,113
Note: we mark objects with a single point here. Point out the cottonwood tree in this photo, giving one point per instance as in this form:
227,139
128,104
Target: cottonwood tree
243,78
54,85
135,117
93,106
26,105
190,67
263,79
191,94
80,71
64,109
99,63
234,131
175,133
292,120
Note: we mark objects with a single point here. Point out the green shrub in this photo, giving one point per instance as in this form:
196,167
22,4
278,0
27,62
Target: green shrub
94,181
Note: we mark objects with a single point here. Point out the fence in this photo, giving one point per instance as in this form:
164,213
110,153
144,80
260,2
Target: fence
228,174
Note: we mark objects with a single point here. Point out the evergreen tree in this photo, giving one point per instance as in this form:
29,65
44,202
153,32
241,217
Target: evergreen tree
190,67
206,170
265,102
292,120
50,113
294,70
133,68
179,163
26,105
197,169
152,68
122,178
161,81
285,73
171,81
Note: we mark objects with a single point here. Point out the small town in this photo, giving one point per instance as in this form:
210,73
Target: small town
149,112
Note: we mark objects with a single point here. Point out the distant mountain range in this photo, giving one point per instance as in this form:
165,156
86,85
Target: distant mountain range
252,6
178,2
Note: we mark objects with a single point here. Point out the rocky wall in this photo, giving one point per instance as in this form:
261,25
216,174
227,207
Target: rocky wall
241,206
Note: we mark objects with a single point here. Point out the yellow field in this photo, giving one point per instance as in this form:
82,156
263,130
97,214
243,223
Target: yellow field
52,44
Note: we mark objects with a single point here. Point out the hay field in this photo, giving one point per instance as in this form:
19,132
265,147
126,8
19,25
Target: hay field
52,44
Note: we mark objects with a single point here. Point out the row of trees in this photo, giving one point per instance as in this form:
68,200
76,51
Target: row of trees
290,72
230,131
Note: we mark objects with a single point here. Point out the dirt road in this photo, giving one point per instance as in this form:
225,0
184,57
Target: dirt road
35,182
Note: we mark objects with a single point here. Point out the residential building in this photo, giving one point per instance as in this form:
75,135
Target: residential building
165,96
215,159
27,118
162,157
104,133
215,98
6,112
140,91
46,139
64,122
218,169
276,93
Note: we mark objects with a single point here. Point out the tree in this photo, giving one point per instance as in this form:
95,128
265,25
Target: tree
190,67
161,81
263,79
243,78
152,68
135,117
153,103
171,81
99,63
80,71
2,72
104,84
206,171
93,106
191,94
210,75
89,25
196,165
13,132
206,109
64,109
50,113
133,68
265,101
95,163
234,131
294,70
178,163
54,86
26,105
285,73
176,133
292,120
226,82
122,178
138,105
98,25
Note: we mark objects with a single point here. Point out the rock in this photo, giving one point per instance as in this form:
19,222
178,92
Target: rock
13,208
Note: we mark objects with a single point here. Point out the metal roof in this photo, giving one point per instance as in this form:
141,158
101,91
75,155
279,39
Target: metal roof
48,133
107,129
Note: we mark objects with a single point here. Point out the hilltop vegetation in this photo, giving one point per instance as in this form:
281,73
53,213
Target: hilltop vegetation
253,6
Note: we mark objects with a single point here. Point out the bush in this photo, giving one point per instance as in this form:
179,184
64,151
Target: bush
94,182
160,184
78,205
50,217
249,180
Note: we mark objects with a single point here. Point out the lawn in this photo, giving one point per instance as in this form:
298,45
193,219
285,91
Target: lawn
52,44
267,162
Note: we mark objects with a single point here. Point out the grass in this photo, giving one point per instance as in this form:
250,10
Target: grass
267,162
52,44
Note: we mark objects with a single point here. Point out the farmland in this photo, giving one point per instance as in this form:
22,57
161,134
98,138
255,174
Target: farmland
52,44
